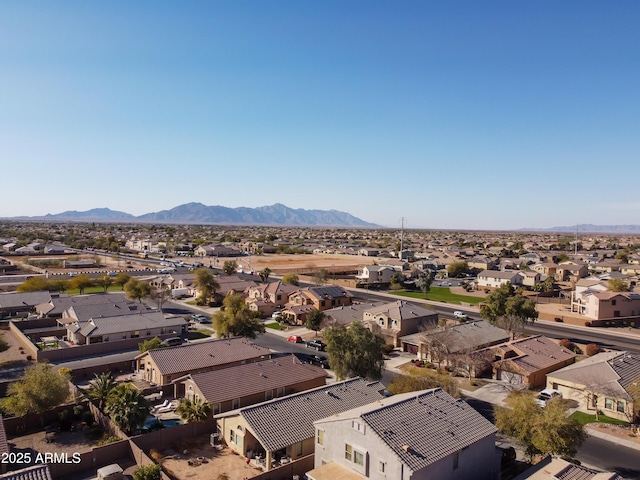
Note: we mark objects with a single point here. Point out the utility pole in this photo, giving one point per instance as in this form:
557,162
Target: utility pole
575,250
401,237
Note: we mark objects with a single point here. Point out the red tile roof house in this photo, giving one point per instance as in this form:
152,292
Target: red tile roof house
528,360
243,385
163,365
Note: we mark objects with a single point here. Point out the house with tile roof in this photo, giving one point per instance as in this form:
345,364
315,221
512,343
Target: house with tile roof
163,365
496,278
414,436
303,300
34,472
375,275
598,304
396,319
457,345
14,304
349,313
243,385
608,381
274,432
553,468
97,304
143,325
529,360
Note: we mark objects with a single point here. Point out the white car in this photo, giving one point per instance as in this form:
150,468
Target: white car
445,284
460,315
546,395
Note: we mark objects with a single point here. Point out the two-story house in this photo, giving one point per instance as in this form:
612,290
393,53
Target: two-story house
396,319
414,436
375,275
495,279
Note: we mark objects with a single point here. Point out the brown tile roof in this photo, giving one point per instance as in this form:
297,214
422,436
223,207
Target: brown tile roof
201,355
536,353
224,385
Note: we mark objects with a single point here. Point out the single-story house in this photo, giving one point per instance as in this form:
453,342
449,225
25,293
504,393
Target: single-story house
261,381
283,427
609,382
163,365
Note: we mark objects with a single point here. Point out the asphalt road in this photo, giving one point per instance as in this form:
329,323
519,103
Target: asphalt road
609,456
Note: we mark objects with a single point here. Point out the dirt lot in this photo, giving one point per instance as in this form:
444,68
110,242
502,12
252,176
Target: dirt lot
207,463
12,357
304,263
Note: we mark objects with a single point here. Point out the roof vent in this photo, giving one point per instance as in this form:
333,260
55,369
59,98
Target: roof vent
406,448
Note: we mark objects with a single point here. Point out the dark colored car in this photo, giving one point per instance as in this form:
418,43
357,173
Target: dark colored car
317,344
319,361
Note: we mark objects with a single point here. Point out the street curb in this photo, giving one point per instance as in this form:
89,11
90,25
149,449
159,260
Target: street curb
613,439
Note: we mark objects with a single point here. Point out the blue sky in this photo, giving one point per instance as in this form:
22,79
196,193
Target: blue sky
479,115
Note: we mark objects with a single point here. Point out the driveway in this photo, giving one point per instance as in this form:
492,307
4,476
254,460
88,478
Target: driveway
494,392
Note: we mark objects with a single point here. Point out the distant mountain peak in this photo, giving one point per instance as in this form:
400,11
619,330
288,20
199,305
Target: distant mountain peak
198,213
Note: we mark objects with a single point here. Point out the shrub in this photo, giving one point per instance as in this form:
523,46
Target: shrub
592,349
147,472
387,349
568,344
87,417
587,324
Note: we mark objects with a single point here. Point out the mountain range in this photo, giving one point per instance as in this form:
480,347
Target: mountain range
198,213
590,228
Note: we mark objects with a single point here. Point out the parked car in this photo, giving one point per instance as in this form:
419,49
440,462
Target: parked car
171,342
460,315
445,284
318,360
295,339
317,344
546,395
200,318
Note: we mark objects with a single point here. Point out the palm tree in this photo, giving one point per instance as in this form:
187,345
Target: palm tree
100,388
127,408
206,284
194,410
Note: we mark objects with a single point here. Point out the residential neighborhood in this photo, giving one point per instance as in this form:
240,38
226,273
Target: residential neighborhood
280,404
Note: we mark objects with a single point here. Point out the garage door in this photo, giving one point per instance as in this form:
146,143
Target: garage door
510,377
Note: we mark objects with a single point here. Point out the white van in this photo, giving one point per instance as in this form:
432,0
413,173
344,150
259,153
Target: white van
111,472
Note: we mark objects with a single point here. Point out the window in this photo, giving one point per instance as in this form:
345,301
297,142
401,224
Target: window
279,297
135,334
299,449
394,323
232,436
620,406
357,426
320,437
608,403
268,395
217,408
381,321
358,458
280,392
456,460
348,452
382,467
235,403
322,303
613,302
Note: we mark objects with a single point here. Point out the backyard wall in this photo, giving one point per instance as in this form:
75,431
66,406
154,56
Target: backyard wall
96,458
286,472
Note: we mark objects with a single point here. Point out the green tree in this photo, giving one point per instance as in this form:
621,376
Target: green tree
235,319
150,344
508,310
617,285
314,320
541,431
264,274
194,410
33,284
100,388
546,286
81,282
291,279
424,282
622,255
40,389
105,282
206,284
397,281
121,279
414,383
148,472
58,284
355,351
127,407
229,267
137,289
457,269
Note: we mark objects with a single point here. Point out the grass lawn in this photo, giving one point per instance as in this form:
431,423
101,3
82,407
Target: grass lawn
275,326
585,418
441,294
198,334
112,288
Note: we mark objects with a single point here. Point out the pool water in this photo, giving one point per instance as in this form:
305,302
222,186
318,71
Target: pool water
151,421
